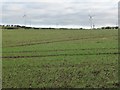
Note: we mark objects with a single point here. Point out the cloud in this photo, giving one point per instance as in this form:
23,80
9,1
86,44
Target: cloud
60,1
62,12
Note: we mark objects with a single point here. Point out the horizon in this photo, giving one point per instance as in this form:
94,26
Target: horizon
59,26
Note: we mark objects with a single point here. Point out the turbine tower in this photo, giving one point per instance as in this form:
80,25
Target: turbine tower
92,25
24,16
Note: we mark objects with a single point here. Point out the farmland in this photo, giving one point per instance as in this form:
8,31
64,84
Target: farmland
60,58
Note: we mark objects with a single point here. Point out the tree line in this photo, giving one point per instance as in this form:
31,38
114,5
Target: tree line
25,27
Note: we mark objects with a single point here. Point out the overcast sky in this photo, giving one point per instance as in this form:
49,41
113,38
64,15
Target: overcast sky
59,12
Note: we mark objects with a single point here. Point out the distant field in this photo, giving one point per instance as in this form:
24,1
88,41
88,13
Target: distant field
60,58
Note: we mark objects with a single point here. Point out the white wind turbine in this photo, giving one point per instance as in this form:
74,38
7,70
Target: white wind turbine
92,25
24,17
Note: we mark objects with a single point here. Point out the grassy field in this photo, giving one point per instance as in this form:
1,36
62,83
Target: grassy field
60,58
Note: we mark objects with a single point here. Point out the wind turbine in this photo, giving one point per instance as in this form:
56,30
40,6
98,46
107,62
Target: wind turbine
92,25
24,16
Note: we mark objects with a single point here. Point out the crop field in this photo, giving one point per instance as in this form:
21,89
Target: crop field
60,58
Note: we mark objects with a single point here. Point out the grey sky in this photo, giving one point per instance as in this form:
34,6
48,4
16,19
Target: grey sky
60,12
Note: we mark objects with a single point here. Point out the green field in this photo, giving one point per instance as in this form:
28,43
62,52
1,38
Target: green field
60,58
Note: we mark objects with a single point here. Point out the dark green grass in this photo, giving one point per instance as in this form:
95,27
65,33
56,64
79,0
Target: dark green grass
65,58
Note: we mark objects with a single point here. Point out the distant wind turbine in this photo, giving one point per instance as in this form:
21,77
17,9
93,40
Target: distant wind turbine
24,16
92,25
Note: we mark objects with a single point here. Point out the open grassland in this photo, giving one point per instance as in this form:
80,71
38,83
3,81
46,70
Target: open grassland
60,58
